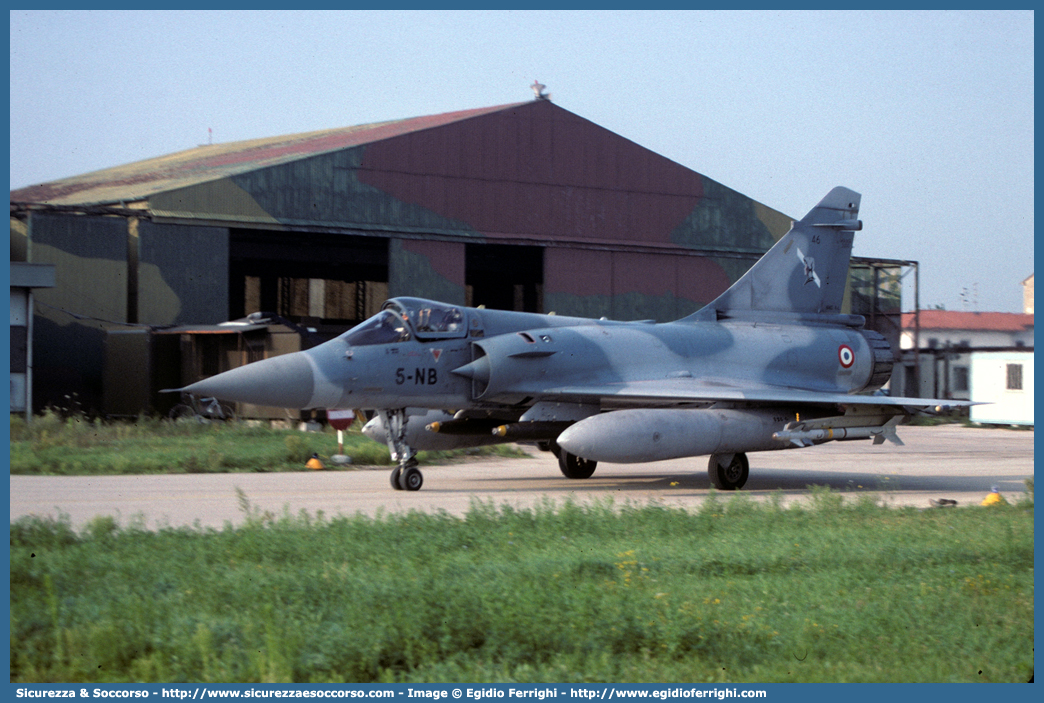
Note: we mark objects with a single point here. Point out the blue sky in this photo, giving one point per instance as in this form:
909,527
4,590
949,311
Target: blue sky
928,114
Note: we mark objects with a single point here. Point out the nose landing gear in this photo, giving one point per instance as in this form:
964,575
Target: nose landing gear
406,476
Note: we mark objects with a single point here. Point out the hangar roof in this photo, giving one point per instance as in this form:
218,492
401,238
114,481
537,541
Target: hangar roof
136,181
518,173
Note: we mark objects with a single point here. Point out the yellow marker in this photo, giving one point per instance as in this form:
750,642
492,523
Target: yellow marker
994,498
314,463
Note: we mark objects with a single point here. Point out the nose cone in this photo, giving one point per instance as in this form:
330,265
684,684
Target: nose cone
477,370
284,382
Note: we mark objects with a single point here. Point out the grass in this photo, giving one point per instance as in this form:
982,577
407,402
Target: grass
738,591
75,445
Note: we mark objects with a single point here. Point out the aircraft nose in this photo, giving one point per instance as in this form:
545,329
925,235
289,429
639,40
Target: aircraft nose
285,381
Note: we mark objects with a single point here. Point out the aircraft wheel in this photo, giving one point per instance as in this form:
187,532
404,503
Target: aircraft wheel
731,477
411,479
574,467
395,474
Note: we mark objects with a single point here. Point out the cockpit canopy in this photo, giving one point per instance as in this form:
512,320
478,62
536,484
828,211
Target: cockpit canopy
429,319
385,327
403,319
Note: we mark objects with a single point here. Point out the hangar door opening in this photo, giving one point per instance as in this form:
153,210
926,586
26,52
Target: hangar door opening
505,277
327,281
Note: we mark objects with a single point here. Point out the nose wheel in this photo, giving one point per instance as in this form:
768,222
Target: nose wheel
406,476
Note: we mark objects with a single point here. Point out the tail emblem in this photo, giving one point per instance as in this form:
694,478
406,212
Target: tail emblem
810,268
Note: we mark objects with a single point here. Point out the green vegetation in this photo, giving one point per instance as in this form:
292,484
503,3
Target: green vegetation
835,590
76,445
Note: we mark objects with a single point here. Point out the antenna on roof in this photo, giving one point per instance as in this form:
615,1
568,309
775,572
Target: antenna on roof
538,91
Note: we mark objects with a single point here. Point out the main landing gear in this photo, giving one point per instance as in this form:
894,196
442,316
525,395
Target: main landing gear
728,472
570,465
574,466
406,476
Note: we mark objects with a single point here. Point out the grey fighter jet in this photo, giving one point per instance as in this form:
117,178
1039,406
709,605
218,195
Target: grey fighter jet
772,363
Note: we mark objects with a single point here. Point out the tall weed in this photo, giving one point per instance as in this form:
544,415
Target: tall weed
734,592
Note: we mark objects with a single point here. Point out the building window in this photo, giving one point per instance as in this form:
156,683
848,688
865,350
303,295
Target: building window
960,379
1014,377
910,389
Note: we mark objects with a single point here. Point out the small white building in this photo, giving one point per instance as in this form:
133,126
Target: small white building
939,363
1004,380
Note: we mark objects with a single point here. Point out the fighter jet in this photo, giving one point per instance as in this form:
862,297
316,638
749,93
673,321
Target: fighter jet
771,364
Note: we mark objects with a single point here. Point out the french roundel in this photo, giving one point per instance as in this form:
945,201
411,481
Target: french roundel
846,356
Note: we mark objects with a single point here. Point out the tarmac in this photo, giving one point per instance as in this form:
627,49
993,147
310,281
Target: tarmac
946,462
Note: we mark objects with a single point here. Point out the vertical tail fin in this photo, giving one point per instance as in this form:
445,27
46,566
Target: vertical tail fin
804,272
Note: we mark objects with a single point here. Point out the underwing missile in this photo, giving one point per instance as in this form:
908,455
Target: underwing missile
808,437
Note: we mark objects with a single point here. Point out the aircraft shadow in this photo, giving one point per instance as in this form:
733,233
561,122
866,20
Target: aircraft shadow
766,480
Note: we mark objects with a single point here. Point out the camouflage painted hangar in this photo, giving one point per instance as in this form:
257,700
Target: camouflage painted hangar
524,206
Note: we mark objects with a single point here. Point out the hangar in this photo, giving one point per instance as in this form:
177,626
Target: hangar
524,206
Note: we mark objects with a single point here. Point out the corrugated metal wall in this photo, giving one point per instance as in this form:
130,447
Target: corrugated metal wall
629,285
182,274
531,174
536,171
532,171
90,259
425,268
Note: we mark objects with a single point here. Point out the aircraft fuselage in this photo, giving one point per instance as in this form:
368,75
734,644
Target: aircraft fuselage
519,366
